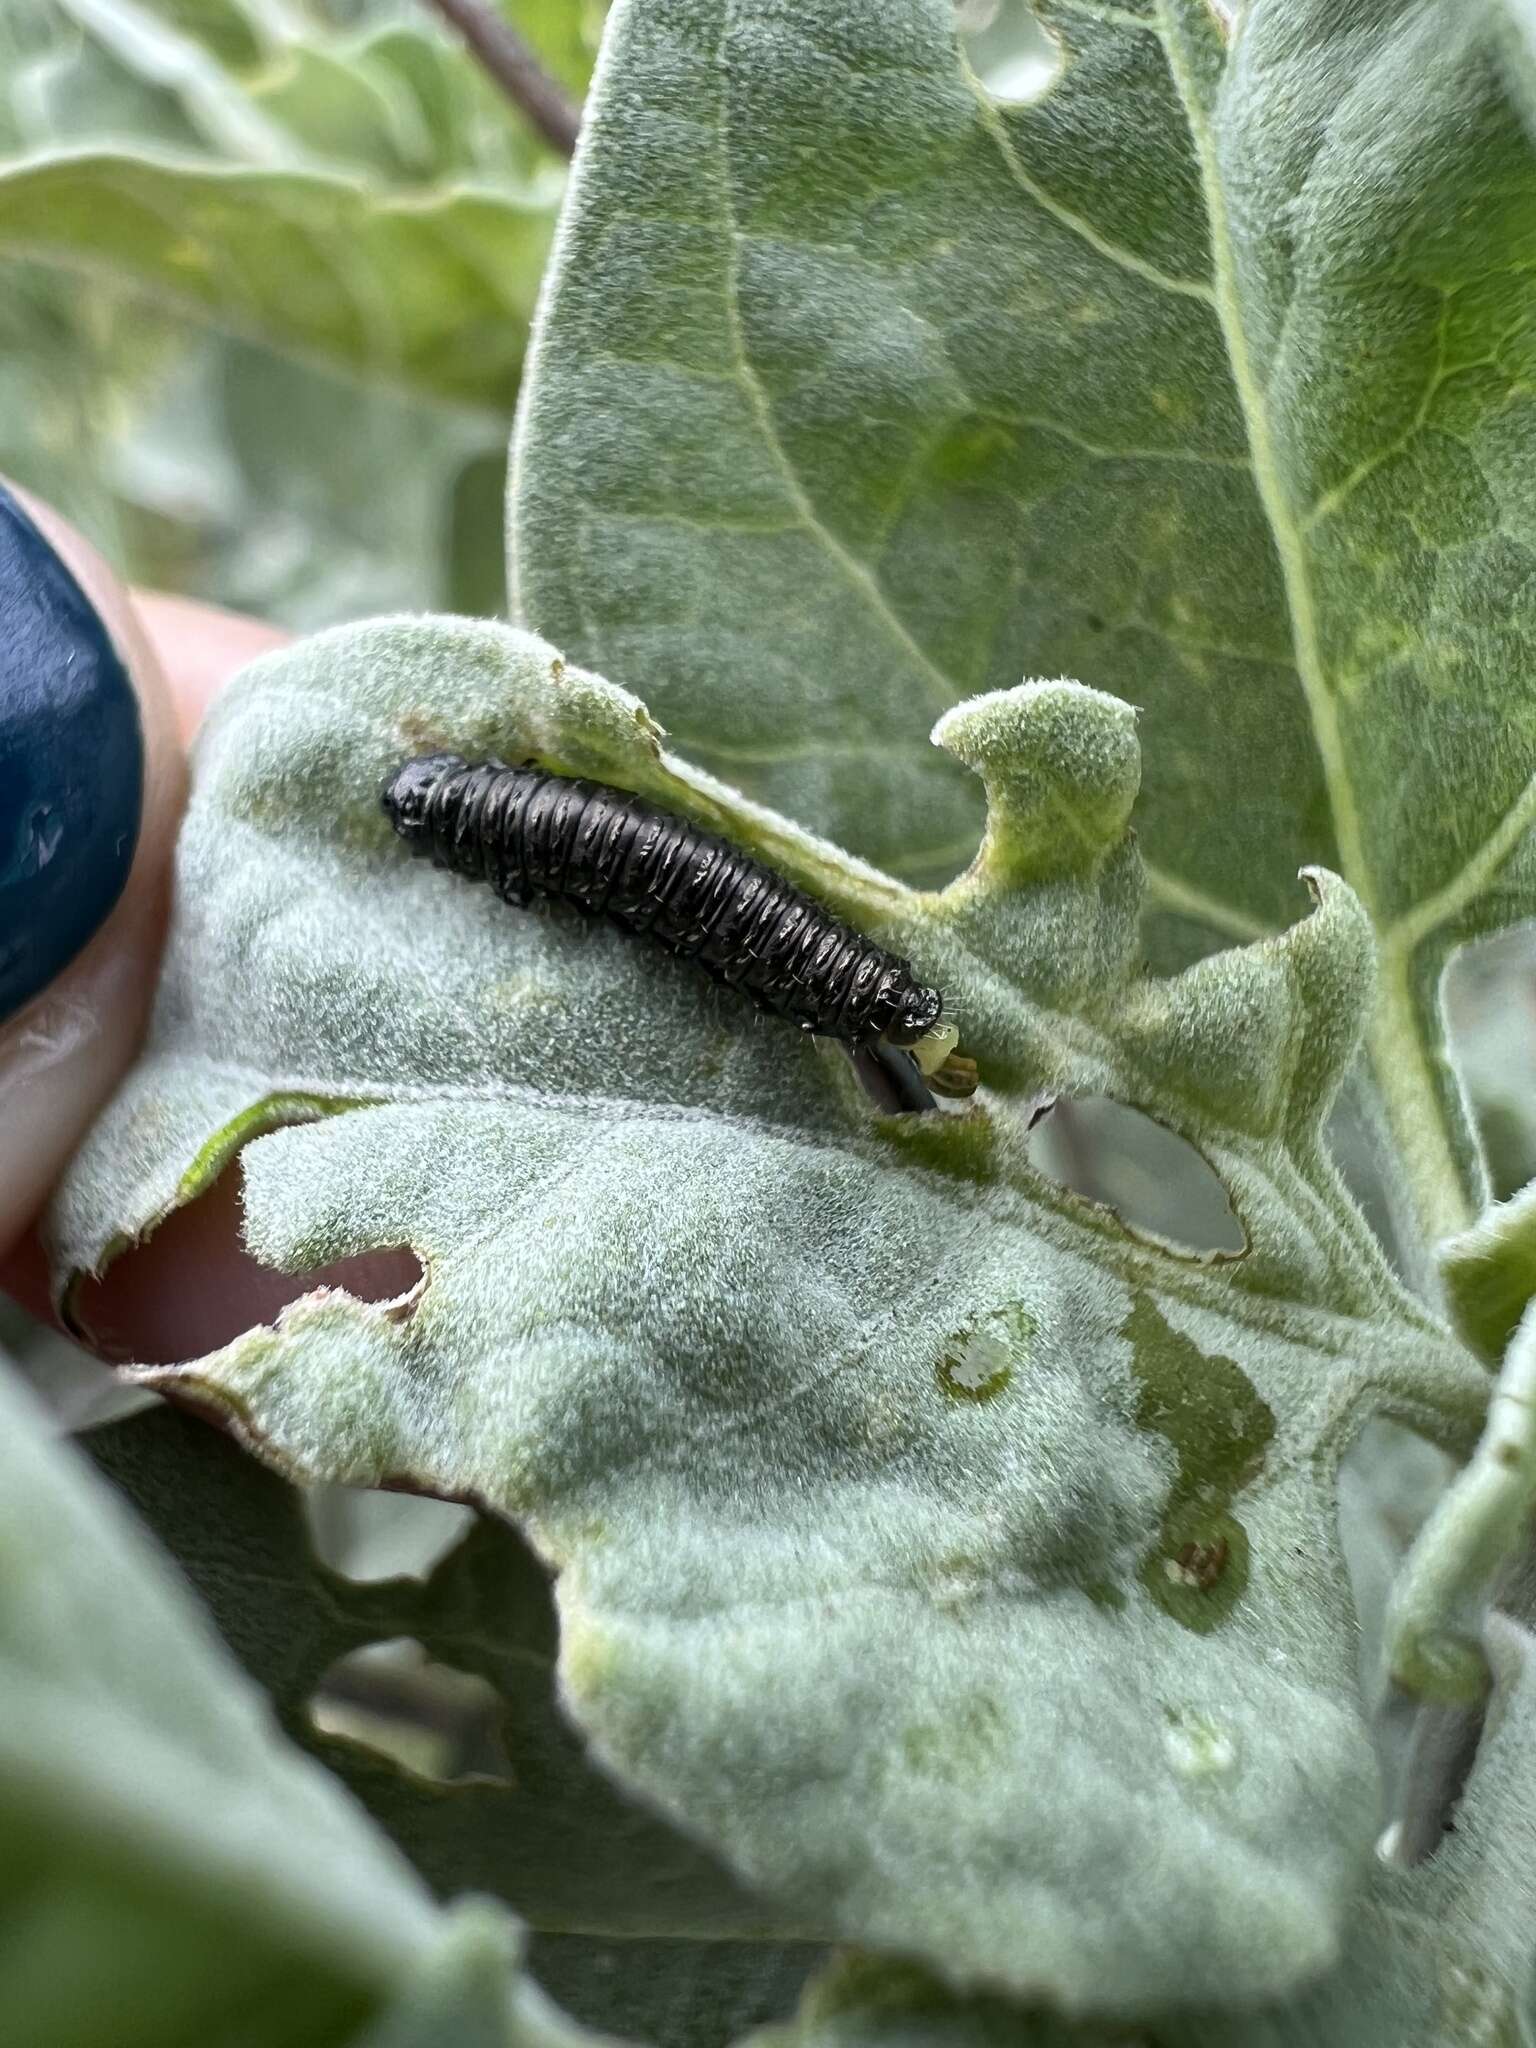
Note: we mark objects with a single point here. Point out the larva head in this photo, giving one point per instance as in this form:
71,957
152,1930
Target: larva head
919,1010
406,794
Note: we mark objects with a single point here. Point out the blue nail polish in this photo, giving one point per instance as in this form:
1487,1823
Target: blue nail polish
71,764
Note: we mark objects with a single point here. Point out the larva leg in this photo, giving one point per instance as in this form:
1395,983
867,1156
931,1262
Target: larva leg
891,1079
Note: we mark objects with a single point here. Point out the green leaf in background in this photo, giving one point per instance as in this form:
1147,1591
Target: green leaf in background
364,200
302,495
714,1332
230,469
1202,377
174,1872
431,288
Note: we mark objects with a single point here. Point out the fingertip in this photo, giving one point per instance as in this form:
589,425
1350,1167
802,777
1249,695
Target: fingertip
85,714
199,646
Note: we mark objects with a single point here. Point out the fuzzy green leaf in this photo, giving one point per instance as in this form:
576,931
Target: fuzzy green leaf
866,1455
173,1870
1441,1955
1202,376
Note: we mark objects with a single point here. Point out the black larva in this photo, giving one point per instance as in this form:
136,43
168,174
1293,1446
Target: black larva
531,833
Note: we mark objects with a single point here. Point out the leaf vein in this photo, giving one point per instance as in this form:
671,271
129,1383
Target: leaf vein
1331,500
858,574
1123,259
1470,880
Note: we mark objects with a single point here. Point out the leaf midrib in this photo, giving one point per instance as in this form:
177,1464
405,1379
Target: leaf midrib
1290,544
1395,1042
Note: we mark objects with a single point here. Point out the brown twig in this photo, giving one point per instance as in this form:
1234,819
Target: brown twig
515,68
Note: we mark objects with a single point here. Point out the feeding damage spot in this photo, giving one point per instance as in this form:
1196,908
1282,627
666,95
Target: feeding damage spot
1220,1430
191,1286
1198,1564
432,1719
1160,1187
1196,1746
979,1359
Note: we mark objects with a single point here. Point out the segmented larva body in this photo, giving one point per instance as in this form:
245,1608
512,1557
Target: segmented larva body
606,851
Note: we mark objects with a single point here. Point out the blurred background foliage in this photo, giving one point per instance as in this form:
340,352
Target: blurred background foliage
268,270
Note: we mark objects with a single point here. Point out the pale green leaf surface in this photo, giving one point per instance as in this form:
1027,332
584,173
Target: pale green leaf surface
239,33
1439,1956
397,95
180,81
339,105
867,1455
1202,377
81,94
174,1872
1513,23
565,35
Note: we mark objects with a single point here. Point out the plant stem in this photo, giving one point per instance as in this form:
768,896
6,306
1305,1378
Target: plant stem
1415,1114
1448,1577
511,62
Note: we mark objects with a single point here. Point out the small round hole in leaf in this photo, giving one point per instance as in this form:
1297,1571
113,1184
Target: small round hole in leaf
1006,47
1155,1181
432,1719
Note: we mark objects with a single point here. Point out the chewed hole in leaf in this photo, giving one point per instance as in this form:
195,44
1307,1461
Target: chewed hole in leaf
191,1286
432,1719
366,1535
1155,1181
